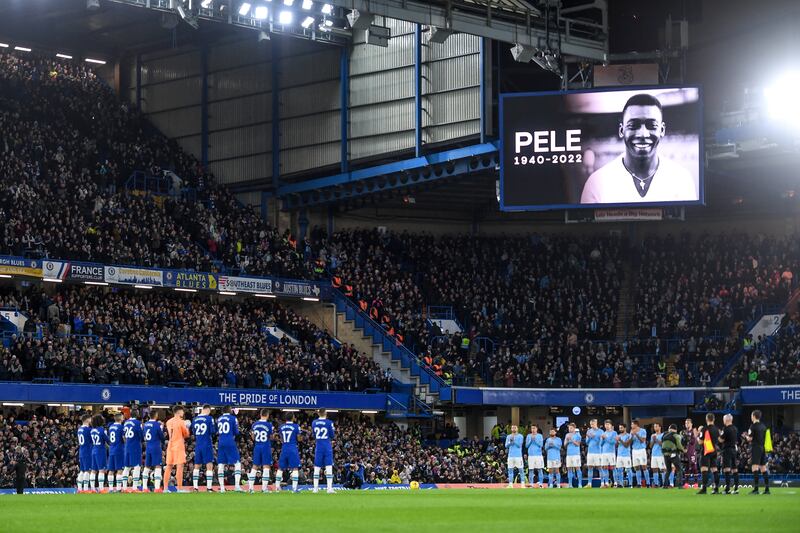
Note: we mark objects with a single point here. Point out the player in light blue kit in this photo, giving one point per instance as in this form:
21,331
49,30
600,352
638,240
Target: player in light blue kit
262,451
322,428
116,455
572,441
552,447
153,433
99,455
203,428
594,452
132,430
624,442
608,456
84,453
657,462
514,443
639,459
227,451
534,442
290,456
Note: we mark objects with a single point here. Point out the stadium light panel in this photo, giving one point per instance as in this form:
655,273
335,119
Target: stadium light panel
307,22
112,407
370,412
781,98
22,49
265,296
327,9
3,45
142,286
261,12
13,404
288,2
52,280
328,23
53,405
205,4
331,410
248,408
98,61
290,410
307,4
98,283
181,289
285,17
310,299
227,293
244,9
68,405
64,56
5,276
159,407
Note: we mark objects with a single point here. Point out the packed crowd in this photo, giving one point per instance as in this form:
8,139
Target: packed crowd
773,362
96,335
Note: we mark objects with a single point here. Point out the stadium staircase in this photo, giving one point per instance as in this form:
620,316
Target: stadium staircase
626,305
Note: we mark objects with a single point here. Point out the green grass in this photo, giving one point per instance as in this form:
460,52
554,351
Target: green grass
446,511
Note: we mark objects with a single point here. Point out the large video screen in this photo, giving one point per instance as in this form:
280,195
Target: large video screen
595,149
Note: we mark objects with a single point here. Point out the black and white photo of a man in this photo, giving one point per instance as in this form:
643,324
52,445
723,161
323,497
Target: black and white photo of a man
638,174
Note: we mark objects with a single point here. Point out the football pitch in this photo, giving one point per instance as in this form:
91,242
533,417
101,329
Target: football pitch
409,511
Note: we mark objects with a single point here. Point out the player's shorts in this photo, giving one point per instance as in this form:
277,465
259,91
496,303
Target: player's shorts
535,462
116,461
623,462
227,455
729,459
555,463
657,462
758,457
176,456
639,457
573,461
323,456
709,460
608,459
262,456
133,458
85,462
594,459
515,462
152,458
288,459
203,456
99,460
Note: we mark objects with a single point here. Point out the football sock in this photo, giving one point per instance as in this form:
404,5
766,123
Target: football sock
278,479
265,479
209,479
157,482
736,480
295,479
329,477
196,478
237,475
316,478
251,478
646,476
221,477
580,478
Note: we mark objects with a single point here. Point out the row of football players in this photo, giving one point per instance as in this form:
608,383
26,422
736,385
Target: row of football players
123,458
615,454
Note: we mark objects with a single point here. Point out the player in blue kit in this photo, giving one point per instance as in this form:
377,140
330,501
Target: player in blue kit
572,441
639,453
608,456
153,433
323,449
624,442
99,455
84,453
262,451
227,451
290,456
657,463
594,452
552,447
132,431
116,456
203,428
534,442
514,442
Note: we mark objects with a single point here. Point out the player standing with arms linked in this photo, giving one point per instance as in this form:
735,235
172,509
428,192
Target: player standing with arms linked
608,457
153,440
730,459
552,447
534,442
290,456
657,463
84,453
99,457
639,459
116,455
132,429
572,441
227,451
203,428
323,449
262,451
514,443
757,436
593,452
708,444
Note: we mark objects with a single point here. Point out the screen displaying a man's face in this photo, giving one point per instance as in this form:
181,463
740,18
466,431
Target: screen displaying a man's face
642,128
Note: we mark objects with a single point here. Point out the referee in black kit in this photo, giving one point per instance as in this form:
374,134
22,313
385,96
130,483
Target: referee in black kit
757,436
730,459
709,439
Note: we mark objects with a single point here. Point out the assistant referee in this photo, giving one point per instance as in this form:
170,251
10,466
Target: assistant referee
708,447
757,436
